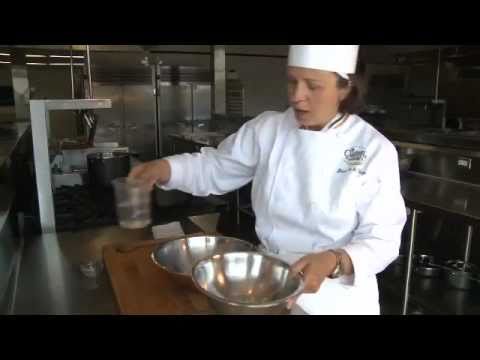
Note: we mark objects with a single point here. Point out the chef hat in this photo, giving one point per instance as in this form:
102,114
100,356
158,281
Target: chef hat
341,59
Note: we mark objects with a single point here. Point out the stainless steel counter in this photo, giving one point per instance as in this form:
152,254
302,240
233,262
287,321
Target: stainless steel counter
9,142
51,282
466,140
50,279
428,193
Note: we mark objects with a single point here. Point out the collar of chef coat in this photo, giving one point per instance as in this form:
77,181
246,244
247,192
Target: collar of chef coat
331,128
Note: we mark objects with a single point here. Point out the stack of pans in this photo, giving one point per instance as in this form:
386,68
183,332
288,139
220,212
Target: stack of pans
457,273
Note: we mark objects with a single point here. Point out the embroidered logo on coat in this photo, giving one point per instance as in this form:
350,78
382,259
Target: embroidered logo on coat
354,157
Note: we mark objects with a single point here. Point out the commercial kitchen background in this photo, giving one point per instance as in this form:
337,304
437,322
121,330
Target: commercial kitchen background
175,98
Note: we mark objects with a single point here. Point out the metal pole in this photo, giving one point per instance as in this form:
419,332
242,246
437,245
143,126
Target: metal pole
40,120
468,245
89,73
156,83
155,110
192,106
219,92
409,261
437,77
237,199
71,71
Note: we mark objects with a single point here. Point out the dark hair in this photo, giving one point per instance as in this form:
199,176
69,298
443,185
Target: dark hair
354,103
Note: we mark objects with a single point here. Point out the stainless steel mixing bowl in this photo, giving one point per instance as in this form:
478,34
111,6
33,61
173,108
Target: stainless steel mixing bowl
177,257
247,283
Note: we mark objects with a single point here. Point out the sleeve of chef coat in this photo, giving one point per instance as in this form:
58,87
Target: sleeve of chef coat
217,171
381,215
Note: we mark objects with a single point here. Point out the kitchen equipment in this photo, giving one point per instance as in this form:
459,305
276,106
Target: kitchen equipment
93,128
72,178
103,167
40,126
77,207
461,275
178,257
424,265
428,270
142,121
77,158
247,283
423,259
133,203
167,198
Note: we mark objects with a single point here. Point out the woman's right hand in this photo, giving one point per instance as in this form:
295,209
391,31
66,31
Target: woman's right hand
152,172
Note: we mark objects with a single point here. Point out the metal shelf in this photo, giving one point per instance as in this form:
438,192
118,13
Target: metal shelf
433,294
75,104
39,113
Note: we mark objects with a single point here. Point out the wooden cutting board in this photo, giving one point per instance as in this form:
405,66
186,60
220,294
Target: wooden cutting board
142,288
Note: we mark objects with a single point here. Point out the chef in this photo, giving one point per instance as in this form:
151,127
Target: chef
325,183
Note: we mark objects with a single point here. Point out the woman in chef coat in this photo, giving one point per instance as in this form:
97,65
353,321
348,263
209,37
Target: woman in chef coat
325,184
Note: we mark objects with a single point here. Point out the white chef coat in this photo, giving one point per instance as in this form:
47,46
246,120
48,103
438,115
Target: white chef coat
311,191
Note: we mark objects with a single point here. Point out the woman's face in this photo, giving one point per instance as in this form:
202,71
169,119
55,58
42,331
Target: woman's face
314,95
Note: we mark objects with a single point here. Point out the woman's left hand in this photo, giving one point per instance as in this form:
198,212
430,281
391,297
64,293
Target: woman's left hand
315,268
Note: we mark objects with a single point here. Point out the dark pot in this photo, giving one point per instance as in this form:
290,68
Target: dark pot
425,266
422,265
430,270
460,279
104,167
460,275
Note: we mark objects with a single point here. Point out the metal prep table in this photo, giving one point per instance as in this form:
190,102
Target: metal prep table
50,280
428,194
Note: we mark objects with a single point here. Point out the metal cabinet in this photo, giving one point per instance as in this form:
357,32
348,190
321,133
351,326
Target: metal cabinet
150,99
131,121
111,123
184,107
139,115
201,102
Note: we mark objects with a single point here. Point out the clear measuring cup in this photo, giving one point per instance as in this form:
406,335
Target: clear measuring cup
133,203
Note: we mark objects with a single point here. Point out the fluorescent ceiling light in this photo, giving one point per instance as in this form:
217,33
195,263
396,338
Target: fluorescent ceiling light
65,64
67,56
